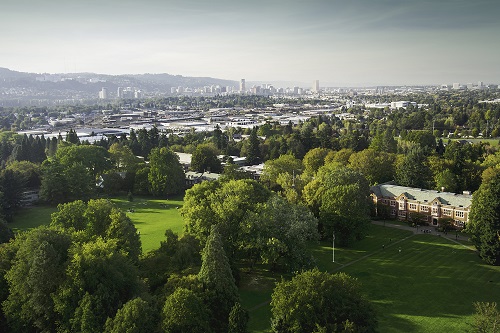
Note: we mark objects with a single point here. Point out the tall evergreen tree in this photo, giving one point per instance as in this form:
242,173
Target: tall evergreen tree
72,137
253,153
216,276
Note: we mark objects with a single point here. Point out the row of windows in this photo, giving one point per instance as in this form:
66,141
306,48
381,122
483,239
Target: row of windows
425,209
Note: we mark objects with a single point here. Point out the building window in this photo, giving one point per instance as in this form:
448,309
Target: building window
385,201
424,208
459,223
459,214
413,206
402,213
393,212
393,203
434,210
447,212
402,205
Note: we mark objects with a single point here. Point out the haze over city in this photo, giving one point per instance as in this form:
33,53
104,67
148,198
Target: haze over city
340,43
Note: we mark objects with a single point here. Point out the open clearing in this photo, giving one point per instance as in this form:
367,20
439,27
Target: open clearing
427,287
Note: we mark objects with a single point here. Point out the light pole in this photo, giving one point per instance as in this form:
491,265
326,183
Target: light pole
333,246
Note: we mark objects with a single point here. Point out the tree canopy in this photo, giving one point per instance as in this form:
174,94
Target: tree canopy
166,175
484,218
314,301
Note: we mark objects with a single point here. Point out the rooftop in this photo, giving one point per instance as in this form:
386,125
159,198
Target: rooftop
422,195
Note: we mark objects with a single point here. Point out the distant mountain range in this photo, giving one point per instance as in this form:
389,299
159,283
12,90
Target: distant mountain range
20,85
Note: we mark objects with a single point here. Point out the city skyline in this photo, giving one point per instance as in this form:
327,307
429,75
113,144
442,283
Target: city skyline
358,43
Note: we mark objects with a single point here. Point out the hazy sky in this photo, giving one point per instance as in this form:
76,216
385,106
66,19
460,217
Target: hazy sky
339,42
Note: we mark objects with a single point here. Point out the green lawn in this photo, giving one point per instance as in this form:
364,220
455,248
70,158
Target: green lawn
150,216
427,287
491,141
32,217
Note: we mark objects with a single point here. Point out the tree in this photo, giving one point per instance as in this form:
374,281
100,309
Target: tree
216,276
318,301
376,167
413,169
28,171
166,175
384,141
339,197
12,185
99,218
314,159
253,152
135,316
446,180
274,168
484,218
94,159
5,232
141,182
238,319
184,311
278,233
486,318
205,159
123,157
424,139
36,274
99,279
224,204
65,182
72,137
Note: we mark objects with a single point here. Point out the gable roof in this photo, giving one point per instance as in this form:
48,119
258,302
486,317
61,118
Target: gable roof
422,195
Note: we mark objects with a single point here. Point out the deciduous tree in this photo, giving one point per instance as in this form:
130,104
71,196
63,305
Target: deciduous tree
166,176
318,301
339,196
135,316
204,159
184,311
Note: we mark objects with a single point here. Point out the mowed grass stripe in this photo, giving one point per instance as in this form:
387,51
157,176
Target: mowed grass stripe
427,287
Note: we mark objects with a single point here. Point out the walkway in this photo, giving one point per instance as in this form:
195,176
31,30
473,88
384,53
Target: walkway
450,236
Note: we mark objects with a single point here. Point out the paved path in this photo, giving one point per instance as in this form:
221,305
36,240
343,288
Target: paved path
450,236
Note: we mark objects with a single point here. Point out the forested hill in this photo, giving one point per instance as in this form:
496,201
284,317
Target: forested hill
45,84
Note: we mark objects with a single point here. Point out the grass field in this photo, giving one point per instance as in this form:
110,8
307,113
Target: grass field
492,142
427,287
32,217
151,217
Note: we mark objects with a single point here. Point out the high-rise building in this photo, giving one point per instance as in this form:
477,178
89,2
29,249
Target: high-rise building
103,94
242,85
315,86
119,92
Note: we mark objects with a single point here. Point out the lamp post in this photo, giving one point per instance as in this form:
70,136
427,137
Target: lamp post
333,246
